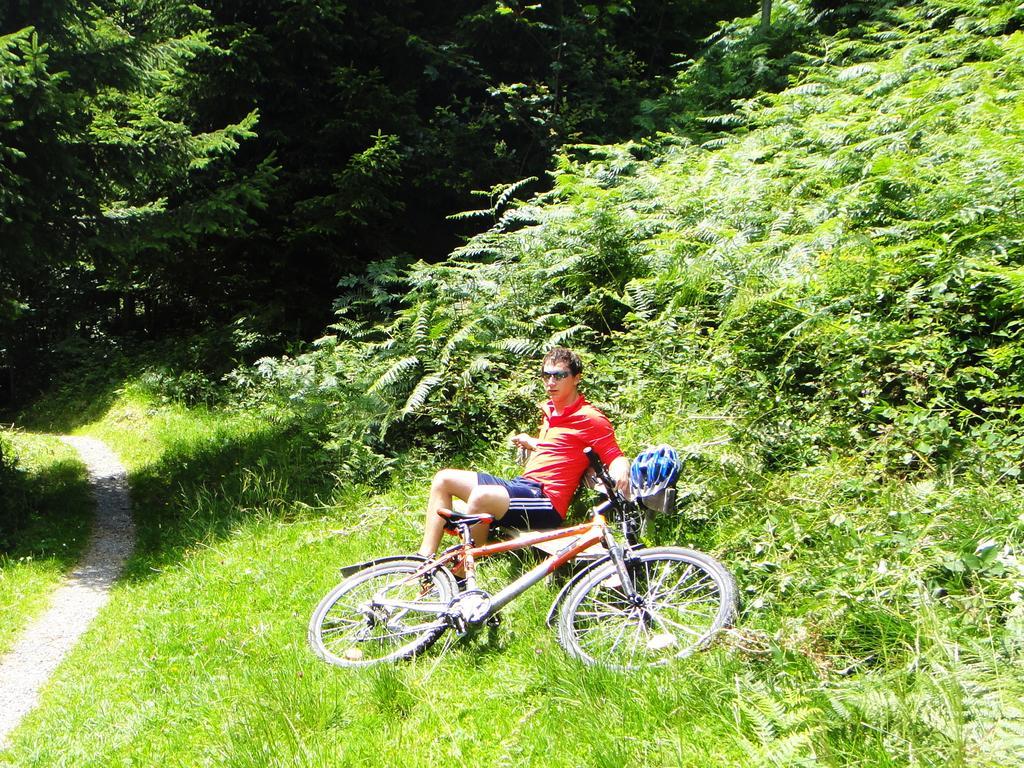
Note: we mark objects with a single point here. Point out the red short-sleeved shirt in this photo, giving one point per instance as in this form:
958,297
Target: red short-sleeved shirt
558,462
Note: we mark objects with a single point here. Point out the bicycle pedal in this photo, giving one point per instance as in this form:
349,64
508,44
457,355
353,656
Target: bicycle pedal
493,621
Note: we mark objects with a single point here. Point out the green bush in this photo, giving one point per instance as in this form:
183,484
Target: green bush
11,492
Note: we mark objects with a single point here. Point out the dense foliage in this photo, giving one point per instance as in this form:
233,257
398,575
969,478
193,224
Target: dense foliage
832,270
109,181
838,270
171,166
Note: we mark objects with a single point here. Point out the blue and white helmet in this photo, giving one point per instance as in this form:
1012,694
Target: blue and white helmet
654,470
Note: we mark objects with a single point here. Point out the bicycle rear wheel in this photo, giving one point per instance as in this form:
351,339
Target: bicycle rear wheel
683,598
358,624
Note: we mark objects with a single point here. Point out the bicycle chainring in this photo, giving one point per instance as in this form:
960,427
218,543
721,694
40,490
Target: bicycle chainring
470,607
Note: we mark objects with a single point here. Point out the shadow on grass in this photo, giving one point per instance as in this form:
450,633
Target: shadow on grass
85,383
46,513
201,493
72,403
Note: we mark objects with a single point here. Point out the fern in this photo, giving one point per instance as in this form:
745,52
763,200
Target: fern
501,197
457,339
521,347
723,120
855,72
420,393
642,298
396,373
567,336
510,190
480,213
480,364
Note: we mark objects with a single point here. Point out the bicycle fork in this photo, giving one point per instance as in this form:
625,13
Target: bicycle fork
615,553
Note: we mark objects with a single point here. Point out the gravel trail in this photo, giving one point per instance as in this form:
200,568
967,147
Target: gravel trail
45,642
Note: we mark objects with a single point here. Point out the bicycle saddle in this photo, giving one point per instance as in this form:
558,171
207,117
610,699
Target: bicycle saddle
461,517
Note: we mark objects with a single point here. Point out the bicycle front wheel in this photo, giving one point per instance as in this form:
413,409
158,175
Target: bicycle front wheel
381,613
681,599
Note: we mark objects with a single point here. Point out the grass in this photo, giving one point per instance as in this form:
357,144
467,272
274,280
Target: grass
208,665
201,658
51,516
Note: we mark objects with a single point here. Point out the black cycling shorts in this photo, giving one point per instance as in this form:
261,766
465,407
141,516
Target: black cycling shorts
528,507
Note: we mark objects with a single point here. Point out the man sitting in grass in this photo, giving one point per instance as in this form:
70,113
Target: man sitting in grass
539,498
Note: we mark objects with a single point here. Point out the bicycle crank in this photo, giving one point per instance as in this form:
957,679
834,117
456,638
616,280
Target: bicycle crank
467,609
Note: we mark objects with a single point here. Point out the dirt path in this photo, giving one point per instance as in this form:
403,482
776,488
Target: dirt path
45,642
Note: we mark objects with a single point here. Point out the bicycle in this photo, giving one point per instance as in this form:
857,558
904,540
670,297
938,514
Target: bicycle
633,607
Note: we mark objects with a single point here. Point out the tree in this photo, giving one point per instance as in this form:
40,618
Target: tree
383,117
107,178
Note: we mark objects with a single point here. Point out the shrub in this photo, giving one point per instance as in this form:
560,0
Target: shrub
12,495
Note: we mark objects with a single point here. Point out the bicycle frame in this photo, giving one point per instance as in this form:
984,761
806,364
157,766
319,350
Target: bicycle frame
589,534
586,535
466,553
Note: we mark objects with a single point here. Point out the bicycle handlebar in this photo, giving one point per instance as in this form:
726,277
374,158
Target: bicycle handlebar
602,474
595,461
624,508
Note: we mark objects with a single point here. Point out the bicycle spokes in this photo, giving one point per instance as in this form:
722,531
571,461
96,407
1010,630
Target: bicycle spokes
678,601
382,613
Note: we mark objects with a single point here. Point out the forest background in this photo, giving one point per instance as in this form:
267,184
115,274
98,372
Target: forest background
290,257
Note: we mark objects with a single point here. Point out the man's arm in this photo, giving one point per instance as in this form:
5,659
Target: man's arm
524,441
619,471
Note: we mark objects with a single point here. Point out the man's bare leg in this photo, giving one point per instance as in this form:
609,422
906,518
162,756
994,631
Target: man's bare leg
459,483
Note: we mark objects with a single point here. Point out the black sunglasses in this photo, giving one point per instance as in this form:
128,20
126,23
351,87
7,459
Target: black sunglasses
556,375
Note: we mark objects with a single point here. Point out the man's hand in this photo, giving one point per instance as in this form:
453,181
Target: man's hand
619,471
524,441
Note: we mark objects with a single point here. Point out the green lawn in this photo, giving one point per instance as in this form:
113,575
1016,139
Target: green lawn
201,658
